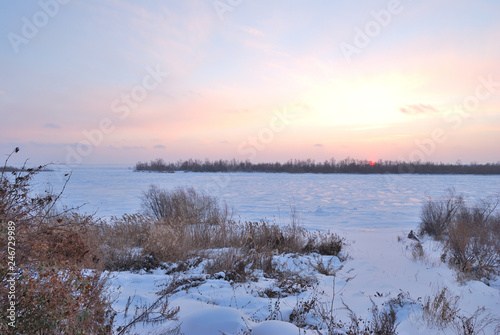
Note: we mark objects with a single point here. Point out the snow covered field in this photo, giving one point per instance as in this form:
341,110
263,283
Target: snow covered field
373,212
379,268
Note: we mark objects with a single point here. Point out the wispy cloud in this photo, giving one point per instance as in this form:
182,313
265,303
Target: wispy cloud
46,144
51,126
418,109
2,92
238,111
132,147
251,31
160,146
369,127
123,147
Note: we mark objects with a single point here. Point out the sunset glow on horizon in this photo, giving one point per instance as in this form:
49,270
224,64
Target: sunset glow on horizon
116,82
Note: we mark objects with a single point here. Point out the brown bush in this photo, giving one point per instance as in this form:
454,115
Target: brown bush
234,264
417,251
184,205
471,233
122,241
383,321
55,290
325,243
162,242
264,237
54,301
437,215
476,323
473,241
441,309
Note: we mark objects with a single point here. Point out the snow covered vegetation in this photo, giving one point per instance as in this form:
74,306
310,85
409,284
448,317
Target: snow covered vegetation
185,265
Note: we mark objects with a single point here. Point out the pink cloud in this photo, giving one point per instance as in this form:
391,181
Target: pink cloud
416,109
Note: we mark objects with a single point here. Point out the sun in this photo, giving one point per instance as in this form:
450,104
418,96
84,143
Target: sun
371,102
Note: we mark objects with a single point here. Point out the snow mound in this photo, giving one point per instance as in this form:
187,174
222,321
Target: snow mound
215,321
275,327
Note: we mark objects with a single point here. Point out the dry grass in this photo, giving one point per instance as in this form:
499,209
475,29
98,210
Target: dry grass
122,241
302,311
473,242
235,265
136,242
437,215
383,321
417,251
55,292
441,309
71,301
324,243
184,206
470,233
476,323
328,269
174,243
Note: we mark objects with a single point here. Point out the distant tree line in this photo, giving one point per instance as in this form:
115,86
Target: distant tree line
4,169
348,165
9,169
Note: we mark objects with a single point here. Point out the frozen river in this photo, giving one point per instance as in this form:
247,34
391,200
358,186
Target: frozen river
331,201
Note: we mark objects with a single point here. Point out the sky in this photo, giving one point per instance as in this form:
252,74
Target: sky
116,82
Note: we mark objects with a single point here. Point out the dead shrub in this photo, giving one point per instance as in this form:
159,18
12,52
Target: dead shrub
417,251
166,243
56,290
302,310
441,309
67,239
437,215
184,205
471,233
233,263
473,242
123,240
324,243
476,323
264,261
172,243
187,222
291,282
383,321
264,237
68,301
288,283
327,269
155,313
